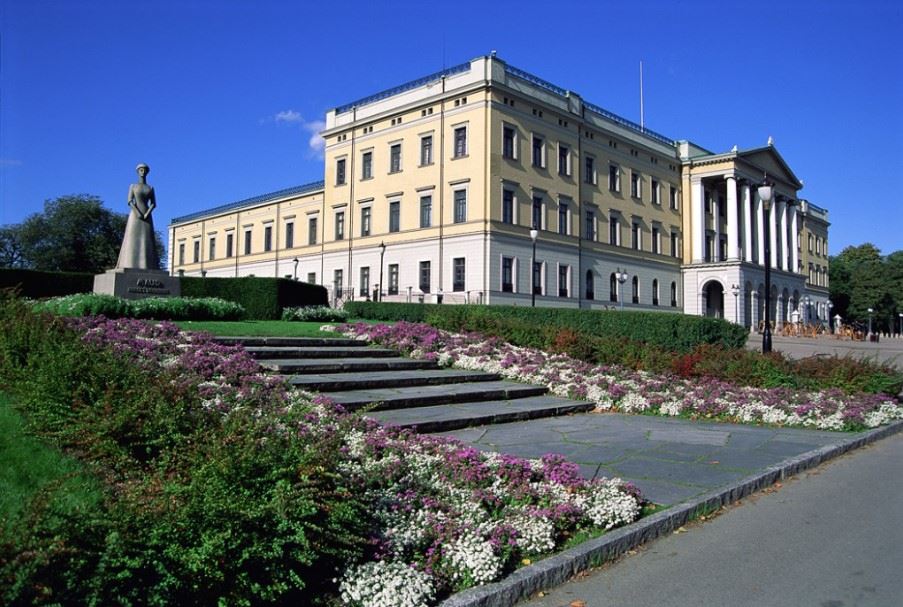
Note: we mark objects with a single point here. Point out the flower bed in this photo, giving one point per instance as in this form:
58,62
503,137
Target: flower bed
614,388
228,515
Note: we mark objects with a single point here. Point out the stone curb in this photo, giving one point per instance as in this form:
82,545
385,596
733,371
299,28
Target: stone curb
557,569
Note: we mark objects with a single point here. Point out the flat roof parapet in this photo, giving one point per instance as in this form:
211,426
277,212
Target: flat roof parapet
248,202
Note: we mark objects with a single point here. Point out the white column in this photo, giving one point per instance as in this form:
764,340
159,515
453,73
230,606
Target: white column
783,227
716,227
697,230
773,236
779,312
760,228
754,310
746,222
794,238
733,225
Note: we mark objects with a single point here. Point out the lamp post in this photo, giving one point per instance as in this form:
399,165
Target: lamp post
622,278
296,267
828,307
870,323
901,323
766,191
382,253
735,289
534,234
807,301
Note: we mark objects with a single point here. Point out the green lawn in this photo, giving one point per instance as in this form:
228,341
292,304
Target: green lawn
31,466
261,328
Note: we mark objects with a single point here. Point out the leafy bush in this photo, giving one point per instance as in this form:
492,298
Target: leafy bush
36,284
158,308
315,314
262,298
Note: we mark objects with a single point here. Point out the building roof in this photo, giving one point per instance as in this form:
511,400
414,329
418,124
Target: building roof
254,201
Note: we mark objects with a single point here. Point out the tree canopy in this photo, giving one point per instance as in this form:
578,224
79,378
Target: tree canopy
861,278
74,233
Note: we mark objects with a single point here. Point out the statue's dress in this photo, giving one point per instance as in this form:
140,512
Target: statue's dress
138,246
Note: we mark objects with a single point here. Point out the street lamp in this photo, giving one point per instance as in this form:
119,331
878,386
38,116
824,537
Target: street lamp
870,323
296,267
828,307
622,278
382,253
766,191
807,301
534,234
901,323
735,289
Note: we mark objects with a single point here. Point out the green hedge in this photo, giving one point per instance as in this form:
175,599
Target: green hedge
157,308
262,298
36,285
530,326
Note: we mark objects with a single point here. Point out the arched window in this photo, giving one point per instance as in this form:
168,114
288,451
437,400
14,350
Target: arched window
636,289
613,287
673,294
590,285
655,292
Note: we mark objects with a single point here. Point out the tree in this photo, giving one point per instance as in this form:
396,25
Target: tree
861,279
75,233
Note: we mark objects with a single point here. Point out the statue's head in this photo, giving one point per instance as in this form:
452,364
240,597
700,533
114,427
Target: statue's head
142,167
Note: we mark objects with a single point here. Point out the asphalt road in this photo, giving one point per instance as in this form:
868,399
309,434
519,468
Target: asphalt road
832,537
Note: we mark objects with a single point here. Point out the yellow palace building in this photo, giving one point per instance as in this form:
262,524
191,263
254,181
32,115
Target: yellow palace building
434,191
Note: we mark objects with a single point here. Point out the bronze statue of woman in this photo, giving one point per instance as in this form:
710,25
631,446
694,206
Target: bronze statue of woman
139,248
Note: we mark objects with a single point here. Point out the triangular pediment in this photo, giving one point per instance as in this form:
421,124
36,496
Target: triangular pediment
768,160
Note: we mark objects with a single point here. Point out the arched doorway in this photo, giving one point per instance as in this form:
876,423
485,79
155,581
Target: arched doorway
713,294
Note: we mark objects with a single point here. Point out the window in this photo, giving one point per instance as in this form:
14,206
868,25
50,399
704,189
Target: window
340,171
367,165
458,273
672,194
426,150
614,231
366,214
818,245
311,230
460,141
709,247
655,292
212,251
636,233
675,244
425,276
508,274
655,192
394,216
613,287
509,142
395,158
636,289
268,238
636,185
393,279
614,178
289,235
508,206
460,206
426,211
564,160
365,281
229,244
537,277
589,170
810,243
182,254
673,294
656,240
312,278
563,281
539,152
537,213
563,218
340,225
247,242
590,285
338,281
589,230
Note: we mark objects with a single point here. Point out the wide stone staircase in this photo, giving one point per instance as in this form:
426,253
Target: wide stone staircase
402,391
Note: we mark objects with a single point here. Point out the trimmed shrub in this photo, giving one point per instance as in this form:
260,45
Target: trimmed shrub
262,298
315,314
157,308
35,284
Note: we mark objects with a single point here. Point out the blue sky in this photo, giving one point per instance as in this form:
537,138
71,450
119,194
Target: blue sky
223,98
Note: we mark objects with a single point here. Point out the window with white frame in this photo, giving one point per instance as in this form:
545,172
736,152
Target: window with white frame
338,280
367,165
536,218
426,150
564,159
340,171
230,244
589,170
636,289
340,225
673,294
564,223
365,281
537,277
564,280
426,211
460,141
289,235
212,252
614,230
366,216
589,228
458,273
675,244
614,178
181,253
672,197
247,243
636,233
654,191
590,285
507,206
425,277
394,216
539,151
509,142
507,274
655,292
268,238
656,240
395,158
460,205
636,184
393,279
312,230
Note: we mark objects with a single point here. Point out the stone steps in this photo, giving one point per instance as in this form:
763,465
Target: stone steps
296,352
347,366
420,396
331,382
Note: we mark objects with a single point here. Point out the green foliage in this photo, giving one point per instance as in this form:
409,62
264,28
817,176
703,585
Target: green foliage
315,314
197,508
36,284
860,279
74,233
158,308
262,328
262,298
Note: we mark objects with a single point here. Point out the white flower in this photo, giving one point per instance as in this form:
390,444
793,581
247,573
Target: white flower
473,559
386,584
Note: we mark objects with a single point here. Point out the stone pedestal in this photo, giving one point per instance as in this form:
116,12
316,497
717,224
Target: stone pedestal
134,283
